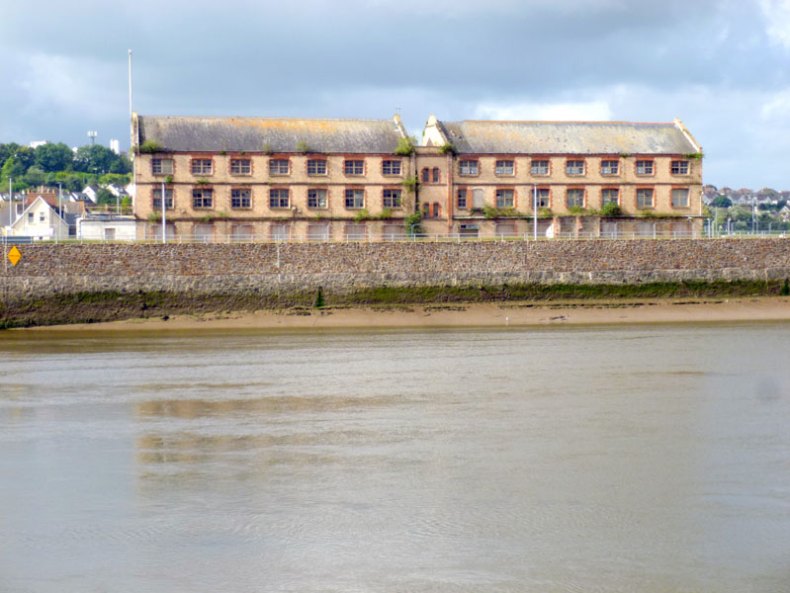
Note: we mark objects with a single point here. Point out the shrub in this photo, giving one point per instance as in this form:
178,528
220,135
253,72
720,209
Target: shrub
405,147
150,147
611,209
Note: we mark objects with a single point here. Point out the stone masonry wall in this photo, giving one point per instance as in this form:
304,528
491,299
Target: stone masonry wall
49,269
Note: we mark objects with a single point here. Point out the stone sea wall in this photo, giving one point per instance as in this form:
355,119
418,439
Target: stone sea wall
48,269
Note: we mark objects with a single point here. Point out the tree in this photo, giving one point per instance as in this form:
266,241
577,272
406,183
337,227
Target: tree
105,196
54,157
115,179
11,168
95,159
721,202
35,177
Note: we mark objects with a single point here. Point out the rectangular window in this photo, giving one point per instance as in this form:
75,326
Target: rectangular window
316,167
504,198
539,167
390,167
202,198
610,196
41,217
279,198
391,198
574,198
468,168
240,198
610,167
543,198
574,167
644,198
316,198
680,167
461,199
680,198
355,198
644,167
161,166
279,167
354,167
240,167
156,203
505,168
202,166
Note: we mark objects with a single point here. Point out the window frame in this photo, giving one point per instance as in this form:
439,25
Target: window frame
161,160
639,199
241,199
353,193
206,201
500,196
239,171
543,192
609,172
197,166
605,190
458,192
392,164
314,163
275,169
276,201
535,168
350,167
170,201
643,163
469,168
501,168
688,198
317,203
395,197
675,167
571,169
581,190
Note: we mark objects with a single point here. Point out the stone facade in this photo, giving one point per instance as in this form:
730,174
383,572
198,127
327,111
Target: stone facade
332,180
266,268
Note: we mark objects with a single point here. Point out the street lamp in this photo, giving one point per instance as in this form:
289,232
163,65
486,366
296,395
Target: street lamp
60,210
535,211
164,214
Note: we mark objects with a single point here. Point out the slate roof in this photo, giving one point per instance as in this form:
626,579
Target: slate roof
255,134
535,137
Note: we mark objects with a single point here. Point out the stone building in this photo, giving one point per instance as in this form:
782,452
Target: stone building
244,179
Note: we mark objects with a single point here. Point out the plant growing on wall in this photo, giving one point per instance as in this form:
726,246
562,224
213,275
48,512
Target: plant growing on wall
385,214
405,147
413,224
150,147
303,147
361,215
544,213
696,156
611,209
410,184
266,148
448,148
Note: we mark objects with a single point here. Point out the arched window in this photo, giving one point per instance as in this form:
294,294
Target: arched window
426,210
436,174
426,175
437,210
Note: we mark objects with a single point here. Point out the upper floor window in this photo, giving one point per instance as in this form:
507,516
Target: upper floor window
644,168
316,198
202,166
391,198
161,166
279,167
156,202
461,199
426,175
610,167
680,167
539,167
279,198
240,198
316,167
644,198
436,175
240,167
468,167
354,167
610,195
574,198
574,167
680,198
355,198
504,198
505,167
390,167
202,198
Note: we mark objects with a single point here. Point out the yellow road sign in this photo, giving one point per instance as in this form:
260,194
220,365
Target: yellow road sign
14,255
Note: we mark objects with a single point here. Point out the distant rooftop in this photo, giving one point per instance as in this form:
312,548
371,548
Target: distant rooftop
537,137
255,134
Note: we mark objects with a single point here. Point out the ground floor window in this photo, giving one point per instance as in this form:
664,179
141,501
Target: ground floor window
680,198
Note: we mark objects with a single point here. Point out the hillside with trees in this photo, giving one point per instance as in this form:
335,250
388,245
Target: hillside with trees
746,210
54,164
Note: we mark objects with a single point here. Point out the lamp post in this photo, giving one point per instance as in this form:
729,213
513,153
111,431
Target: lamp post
164,214
535,211
60,211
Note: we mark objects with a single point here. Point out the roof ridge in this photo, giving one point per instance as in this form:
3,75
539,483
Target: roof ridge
259,118
559,121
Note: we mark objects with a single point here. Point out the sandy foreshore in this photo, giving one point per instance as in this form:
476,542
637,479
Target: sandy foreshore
502,314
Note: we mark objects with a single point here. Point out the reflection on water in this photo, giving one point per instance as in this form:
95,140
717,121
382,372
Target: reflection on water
614,459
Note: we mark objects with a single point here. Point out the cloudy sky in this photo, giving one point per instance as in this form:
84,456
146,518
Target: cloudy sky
719,65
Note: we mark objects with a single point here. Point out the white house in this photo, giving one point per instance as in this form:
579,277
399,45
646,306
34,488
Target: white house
107,227
40,221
